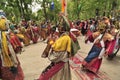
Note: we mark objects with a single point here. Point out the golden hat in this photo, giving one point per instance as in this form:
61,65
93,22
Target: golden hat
107,36
96,34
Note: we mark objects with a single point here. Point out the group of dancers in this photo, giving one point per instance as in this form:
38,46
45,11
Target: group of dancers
62,44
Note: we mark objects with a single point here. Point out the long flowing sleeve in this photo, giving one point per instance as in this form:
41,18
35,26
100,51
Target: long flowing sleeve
103,50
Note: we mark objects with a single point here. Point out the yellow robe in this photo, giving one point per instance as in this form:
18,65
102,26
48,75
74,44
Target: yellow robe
5,51
62,44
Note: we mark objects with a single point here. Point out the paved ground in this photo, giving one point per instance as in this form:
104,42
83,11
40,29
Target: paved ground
33,64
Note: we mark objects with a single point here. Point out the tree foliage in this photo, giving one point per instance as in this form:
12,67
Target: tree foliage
17,8
88,8
76,9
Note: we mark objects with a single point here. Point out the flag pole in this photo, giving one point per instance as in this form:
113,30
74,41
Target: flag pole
66,8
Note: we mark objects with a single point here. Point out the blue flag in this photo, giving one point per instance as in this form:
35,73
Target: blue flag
52,5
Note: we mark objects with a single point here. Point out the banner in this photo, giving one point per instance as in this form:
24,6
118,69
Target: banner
63,6
52,5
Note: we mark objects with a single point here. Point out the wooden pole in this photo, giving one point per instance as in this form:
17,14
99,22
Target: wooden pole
66,8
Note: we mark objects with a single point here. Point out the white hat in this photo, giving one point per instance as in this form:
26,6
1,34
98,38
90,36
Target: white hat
73,29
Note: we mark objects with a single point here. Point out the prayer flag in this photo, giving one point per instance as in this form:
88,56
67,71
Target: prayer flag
52,5
63,6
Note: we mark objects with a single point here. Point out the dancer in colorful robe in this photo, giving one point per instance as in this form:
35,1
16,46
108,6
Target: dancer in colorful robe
32,31
14,40
59,67
94,58
10,68
112,45
23,35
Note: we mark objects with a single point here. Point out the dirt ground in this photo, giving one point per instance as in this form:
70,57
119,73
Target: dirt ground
32,63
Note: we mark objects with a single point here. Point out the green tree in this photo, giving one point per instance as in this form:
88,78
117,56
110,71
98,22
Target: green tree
76,9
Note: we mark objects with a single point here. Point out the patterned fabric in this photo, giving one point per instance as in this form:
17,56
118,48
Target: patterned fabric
58,56
63,74
15,42
86,75
111,46
51,70
8,74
